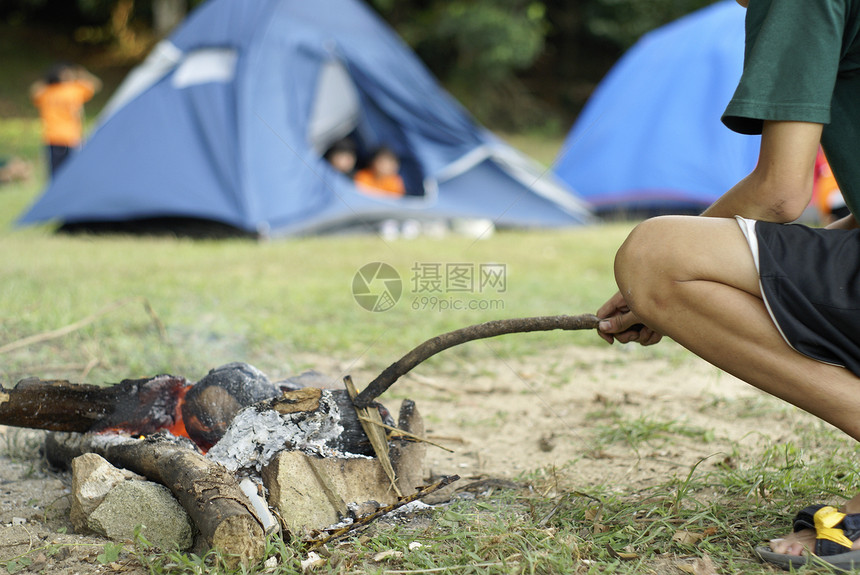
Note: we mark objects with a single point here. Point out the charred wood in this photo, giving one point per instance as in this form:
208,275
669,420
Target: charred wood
58,405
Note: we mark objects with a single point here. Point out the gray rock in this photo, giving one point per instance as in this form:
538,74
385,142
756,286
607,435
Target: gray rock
131,503
313,493
92,478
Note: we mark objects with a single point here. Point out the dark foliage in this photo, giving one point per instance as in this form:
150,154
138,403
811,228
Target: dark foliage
515,64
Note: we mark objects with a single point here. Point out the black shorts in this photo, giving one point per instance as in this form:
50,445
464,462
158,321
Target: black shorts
810,280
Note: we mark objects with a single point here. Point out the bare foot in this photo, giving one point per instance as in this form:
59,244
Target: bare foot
804,540
794,543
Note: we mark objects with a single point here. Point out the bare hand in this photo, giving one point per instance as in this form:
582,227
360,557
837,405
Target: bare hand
619,323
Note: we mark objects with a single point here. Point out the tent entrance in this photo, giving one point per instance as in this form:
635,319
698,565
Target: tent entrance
339,111
336,108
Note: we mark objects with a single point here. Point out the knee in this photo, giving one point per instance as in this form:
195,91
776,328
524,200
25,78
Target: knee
643,264
640,253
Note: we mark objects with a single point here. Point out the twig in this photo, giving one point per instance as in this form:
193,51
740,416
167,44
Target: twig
72,327
376,436
443,569
564,497
364,520
554,510
400,432
91,365
483,330
159,325
455,439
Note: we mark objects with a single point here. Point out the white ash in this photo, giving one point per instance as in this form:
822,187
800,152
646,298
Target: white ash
411,507
346,522
261,509
110,439
254,436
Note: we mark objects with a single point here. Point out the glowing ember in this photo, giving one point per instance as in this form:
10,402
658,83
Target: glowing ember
157,406
201,412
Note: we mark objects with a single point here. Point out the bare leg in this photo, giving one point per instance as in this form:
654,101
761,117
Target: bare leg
694,280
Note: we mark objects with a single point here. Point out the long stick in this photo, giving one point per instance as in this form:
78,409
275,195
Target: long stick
480,331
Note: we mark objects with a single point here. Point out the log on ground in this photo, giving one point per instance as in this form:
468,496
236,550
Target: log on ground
209,493
59,405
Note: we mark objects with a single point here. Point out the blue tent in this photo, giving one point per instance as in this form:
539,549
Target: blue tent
228,120
650,138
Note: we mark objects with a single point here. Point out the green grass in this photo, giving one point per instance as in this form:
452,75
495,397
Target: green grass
267,303
648,431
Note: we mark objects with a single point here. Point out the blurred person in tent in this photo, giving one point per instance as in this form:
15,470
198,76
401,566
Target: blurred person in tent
381,177
825,192
60,97
342,156
772,302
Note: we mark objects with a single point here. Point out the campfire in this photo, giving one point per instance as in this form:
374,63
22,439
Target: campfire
245,456
219,443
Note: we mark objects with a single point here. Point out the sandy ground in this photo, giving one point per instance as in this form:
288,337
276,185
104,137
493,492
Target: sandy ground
549,412
538,413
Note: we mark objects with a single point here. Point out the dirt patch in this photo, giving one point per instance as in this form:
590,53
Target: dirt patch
603,415
36,535
594,416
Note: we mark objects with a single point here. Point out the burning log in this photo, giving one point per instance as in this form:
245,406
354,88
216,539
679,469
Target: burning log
206,490
56,405
318,421
212,403
201,411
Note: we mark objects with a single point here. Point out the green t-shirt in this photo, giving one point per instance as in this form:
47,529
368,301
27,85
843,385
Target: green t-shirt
802,63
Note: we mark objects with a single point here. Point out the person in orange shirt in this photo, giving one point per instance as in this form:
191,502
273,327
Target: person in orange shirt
60,98
825,192
381,177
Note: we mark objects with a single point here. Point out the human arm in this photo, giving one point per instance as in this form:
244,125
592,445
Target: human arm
81,74
849,222
35,88
780,186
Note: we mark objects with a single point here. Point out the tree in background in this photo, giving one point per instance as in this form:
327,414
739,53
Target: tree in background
515,64
477,48
586,38
522,64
